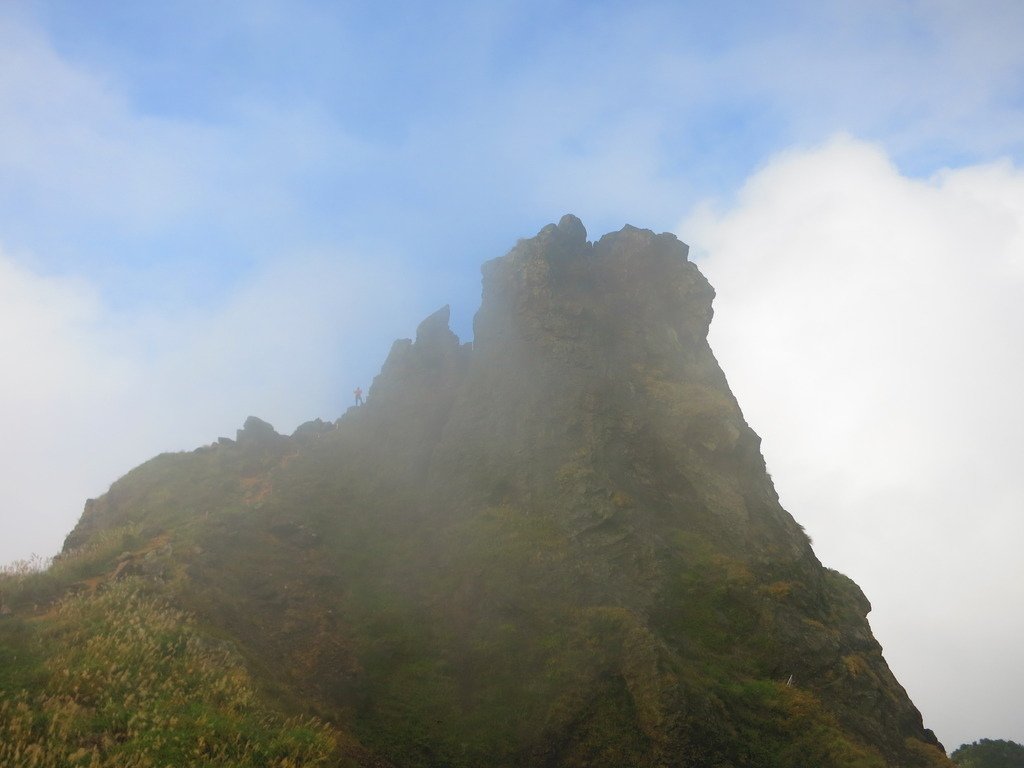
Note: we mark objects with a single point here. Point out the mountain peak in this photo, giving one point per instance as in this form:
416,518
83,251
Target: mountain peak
558,545
572,228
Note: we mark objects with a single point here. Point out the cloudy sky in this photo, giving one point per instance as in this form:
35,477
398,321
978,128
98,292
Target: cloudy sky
211,210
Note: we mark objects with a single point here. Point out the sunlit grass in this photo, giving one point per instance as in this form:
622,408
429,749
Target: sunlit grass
125,680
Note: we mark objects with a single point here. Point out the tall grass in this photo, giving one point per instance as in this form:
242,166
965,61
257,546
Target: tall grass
127,681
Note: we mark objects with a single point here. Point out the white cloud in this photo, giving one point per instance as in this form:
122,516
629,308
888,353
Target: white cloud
870,325
87,155
70,138
88,393
58,376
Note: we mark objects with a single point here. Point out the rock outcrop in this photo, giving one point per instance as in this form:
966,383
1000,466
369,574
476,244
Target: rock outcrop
256,432
555,546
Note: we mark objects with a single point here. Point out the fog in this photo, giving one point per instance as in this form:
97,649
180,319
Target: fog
870,326
212,211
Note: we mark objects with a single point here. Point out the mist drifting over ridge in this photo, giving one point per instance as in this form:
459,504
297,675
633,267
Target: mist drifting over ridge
179,206
556,544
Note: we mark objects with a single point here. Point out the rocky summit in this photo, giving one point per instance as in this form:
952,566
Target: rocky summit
557,545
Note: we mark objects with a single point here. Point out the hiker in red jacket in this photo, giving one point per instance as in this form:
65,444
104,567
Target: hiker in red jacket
359,395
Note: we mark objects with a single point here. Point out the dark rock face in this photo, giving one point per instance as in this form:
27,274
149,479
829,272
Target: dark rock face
591,397
311,430
558,545
256,432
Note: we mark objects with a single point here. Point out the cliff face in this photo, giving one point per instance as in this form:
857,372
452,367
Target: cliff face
557,545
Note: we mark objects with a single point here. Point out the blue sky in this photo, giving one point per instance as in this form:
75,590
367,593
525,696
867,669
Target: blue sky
214,136
209,210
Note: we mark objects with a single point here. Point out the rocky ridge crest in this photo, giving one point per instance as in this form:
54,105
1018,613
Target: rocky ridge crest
556,545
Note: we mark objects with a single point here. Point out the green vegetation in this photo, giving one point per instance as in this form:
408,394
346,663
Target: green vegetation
989,753
113,676
557,548
475,634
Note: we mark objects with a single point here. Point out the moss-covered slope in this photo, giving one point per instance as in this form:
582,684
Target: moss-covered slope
557,546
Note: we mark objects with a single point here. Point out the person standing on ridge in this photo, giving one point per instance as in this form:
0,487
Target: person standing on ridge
359,395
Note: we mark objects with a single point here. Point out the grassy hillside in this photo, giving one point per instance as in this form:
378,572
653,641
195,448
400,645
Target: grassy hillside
430,637
557,546
107,673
